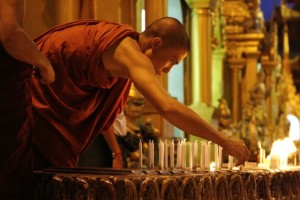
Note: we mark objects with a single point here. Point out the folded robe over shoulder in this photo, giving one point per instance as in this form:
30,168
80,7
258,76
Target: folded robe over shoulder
83,101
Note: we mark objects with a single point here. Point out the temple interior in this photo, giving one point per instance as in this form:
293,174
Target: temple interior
242,76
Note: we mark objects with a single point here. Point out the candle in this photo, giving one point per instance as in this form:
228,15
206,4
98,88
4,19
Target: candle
166,154
202,160
207,155
149,154
212,166
191,154
183,155
161,154
172,154
141,153
230,162
195,150
220,156
216,150
178,154
152,154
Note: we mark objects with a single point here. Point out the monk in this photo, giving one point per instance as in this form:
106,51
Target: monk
95,63
18,54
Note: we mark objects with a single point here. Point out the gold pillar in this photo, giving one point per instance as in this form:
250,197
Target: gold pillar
201,53
286,46
268,67
236,65
66,10
155,9
218,86
105,10
249,78
286,50
128,12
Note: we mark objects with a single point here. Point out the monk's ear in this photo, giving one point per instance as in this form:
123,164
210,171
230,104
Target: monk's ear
156,41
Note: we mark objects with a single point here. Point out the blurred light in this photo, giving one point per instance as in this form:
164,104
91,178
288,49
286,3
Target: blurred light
294,132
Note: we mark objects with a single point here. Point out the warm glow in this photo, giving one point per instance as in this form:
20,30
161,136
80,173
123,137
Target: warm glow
294,132
143,19
212,166
280,152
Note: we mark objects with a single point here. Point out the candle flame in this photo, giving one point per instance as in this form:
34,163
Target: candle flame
212,166
282,149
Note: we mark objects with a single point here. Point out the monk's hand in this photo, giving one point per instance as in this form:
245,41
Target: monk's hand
237,149
44,74
117,161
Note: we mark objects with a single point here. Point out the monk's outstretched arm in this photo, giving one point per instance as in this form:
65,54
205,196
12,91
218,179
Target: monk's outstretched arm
137,66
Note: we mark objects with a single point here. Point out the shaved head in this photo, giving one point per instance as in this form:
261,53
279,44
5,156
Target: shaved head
171,31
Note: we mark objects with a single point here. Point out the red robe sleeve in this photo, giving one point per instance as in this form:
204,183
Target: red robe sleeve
83,101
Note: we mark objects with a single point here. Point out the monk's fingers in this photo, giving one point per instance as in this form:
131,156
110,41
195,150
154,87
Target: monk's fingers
44,76
243,156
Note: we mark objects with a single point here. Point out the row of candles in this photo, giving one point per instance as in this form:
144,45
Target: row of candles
199,155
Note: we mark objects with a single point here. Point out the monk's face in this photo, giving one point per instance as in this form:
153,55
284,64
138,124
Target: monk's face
164,58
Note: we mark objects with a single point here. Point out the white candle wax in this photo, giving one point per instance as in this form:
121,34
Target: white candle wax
202,160
191,154
159,154
216,151
178,155
172,154
183,155
149,154
230,162
220,156
152,154
207,155
141,153
166,154
195,150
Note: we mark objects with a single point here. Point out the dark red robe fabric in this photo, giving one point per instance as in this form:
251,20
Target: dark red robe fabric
83,101
16,128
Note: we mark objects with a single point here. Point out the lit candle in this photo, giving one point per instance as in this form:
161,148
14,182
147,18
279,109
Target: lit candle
166,154
212,166
141,153
172,154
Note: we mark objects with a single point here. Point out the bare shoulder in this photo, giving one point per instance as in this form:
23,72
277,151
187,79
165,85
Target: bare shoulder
124,57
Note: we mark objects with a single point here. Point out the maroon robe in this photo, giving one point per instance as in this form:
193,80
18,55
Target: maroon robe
83,101
16,128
